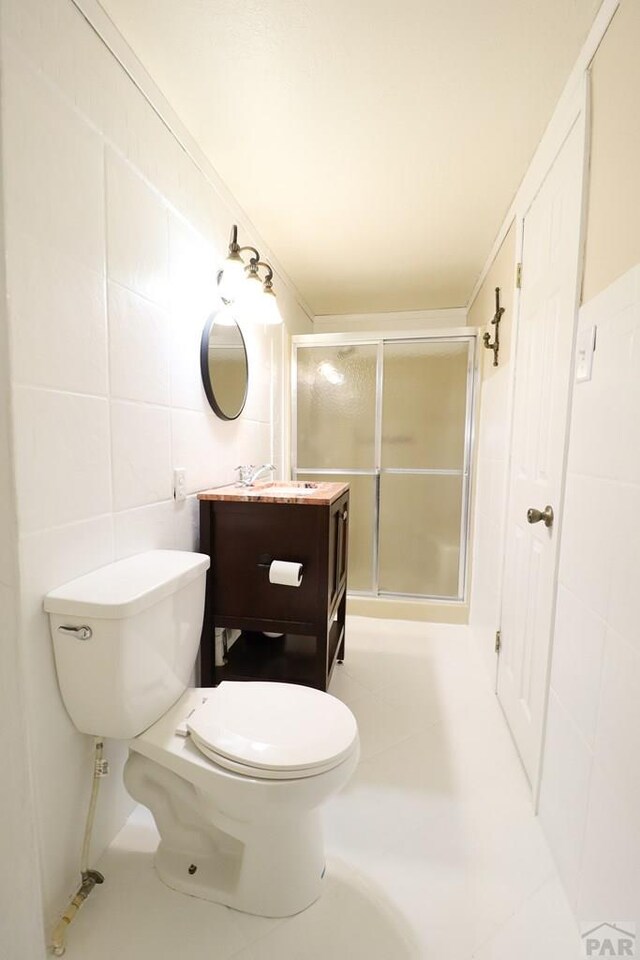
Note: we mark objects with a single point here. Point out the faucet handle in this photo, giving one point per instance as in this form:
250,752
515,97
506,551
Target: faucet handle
245,472
248,474
264,468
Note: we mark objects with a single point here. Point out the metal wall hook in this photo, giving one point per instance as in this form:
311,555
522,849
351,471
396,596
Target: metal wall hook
495,346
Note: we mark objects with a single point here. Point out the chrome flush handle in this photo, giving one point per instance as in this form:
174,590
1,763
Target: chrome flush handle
80,633
535,516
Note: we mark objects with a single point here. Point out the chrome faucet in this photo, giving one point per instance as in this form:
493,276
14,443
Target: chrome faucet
247,475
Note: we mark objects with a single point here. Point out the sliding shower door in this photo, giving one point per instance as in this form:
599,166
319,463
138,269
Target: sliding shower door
393,418
337,389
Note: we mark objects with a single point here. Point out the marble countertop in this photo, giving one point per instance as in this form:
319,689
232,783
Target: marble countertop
285,491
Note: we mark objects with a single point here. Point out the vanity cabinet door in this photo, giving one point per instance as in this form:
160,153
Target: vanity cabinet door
245,538
338,547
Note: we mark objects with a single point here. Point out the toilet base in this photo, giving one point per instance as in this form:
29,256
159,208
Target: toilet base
257,881
268,867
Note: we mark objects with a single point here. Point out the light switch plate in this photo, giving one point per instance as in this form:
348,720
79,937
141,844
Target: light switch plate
180,484
585,348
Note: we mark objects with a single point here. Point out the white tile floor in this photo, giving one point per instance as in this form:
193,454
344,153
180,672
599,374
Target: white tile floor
432,849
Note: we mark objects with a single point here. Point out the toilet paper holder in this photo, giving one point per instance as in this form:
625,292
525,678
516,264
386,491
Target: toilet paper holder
265,561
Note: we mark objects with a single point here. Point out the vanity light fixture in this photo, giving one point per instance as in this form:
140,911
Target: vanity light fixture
240,283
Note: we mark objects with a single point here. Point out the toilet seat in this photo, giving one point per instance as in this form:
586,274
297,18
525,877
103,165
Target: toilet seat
275,731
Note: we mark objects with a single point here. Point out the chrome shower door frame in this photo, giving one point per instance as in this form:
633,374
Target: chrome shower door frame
378,340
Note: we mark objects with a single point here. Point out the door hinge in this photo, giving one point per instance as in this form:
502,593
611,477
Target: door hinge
498,641
518,275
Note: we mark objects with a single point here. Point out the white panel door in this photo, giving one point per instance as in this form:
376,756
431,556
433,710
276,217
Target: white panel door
543,373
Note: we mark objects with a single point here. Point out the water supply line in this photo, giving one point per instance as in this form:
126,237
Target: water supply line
88,878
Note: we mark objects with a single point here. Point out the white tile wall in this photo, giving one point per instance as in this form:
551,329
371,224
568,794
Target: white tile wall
625,561
139,347
20,916
260,385
617,747
21,933
194,431
578,648
192,285
54,183
62,456
137,232
590,792
145,528
61,758
587,548
114,238
60,319
141,454
567,763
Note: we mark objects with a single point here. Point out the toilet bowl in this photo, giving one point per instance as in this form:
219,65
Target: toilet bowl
246,836
233,775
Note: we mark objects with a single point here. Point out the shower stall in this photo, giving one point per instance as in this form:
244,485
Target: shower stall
393,416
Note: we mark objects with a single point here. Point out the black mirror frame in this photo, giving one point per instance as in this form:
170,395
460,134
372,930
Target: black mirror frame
204,369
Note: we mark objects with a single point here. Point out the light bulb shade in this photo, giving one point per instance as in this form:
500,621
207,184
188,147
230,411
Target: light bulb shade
233,278
269,311
249,299
225,317
252,289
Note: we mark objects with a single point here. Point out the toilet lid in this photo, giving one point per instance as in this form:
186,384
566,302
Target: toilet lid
273,726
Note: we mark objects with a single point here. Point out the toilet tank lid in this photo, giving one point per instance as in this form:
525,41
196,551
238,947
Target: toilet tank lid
127,587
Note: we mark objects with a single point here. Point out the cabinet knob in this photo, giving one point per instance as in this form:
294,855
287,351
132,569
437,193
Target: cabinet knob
344,516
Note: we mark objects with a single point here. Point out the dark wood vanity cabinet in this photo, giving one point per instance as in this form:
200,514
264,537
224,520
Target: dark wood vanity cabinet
242,534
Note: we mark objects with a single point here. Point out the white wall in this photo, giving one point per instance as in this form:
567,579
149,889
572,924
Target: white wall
590,793
113,239
613,240
401,320
21,933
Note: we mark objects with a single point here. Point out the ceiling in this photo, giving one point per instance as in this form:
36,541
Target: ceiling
375,145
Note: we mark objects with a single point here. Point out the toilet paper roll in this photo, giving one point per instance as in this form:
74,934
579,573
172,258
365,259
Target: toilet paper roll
286,573
219,647
225,637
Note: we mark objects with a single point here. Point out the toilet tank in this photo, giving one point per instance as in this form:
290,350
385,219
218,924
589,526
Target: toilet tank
125,639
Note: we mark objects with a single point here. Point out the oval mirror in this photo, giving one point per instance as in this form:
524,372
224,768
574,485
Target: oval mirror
224,367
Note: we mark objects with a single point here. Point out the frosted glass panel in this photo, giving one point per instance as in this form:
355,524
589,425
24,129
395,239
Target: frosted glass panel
424,405
410,427
361,527
420,534
336,407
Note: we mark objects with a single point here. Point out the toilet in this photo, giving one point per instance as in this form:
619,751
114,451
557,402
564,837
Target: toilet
234,775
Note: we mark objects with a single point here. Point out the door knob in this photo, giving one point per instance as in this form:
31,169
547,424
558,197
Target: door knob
535,516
